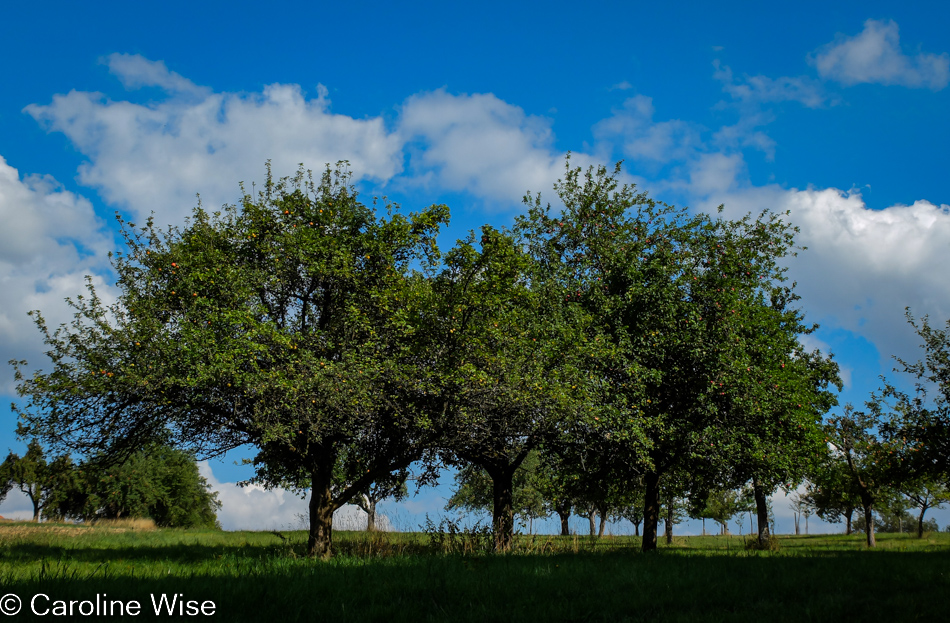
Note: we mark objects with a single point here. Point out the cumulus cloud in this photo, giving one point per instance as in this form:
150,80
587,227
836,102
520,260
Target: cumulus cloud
135,71
480,144
642,138
50,240
762,89
255,508
874,56
157,157
862,267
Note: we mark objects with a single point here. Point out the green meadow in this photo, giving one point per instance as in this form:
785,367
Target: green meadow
264,576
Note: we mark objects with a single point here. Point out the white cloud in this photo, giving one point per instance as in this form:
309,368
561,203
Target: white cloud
255,508
49,241
642,138
762,89
157,157
480,144
135,71
862,267
16,506
716,173
874,55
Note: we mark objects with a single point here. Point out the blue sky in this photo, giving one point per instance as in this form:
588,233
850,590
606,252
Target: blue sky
837,114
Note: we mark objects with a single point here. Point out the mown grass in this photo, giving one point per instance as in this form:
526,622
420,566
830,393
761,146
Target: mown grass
261,576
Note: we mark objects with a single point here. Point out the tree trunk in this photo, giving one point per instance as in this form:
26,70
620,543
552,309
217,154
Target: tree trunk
920,523
593,525
35,499
503,518
761,513
869,524
564,514
668,528
704,526
636,528
370,514
651,510
320,539
847,523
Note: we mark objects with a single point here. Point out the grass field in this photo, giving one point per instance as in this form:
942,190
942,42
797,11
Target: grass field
261,576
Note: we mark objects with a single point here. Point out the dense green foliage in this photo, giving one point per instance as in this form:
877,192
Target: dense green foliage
616,352
157,482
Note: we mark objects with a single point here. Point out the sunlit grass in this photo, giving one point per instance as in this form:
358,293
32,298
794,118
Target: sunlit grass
255,576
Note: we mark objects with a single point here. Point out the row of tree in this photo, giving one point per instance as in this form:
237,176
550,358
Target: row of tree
156,482
630,343
832,496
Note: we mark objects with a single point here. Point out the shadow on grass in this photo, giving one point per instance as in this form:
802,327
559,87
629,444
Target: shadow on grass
254,582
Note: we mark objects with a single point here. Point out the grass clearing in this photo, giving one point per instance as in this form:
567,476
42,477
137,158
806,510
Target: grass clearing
253,576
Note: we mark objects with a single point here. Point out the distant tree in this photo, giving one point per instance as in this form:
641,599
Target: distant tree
390,486
721,506
831,491
890,523
157,482
633,512
919,421
34,476
474,490
925,495
874,462
557,485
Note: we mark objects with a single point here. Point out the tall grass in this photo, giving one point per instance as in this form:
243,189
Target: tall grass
254,576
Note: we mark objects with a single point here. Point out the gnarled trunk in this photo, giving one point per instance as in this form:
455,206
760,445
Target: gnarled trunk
320,539
651,510
563,510
761,513
603,524
920,523
503,518
370,514
590,518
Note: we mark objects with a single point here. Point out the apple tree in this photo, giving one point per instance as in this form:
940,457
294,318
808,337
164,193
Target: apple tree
292,323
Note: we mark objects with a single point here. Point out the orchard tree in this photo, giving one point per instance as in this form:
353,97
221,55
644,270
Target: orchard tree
34,476
831,491
920,420
474,490
924,495
156,482
292,323
389,486
679,300
874,463
512,374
